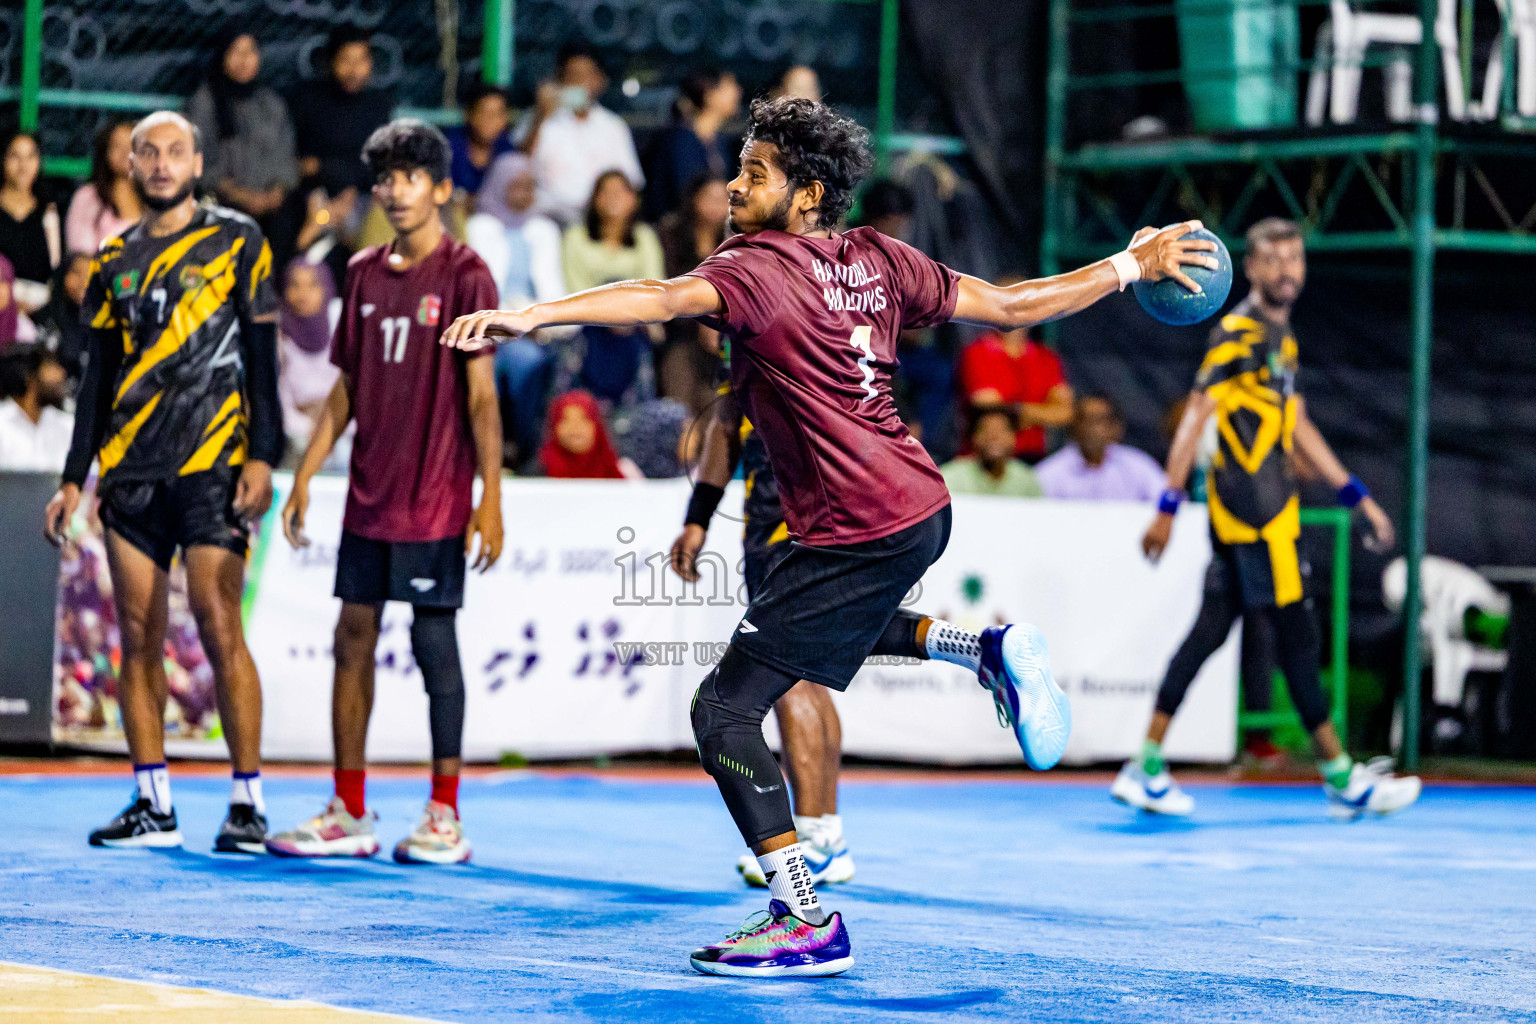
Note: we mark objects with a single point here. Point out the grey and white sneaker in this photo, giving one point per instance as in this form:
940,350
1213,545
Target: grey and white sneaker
139,826
1158,793
244,831
1372,789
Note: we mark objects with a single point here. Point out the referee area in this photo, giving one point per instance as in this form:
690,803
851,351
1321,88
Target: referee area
980,896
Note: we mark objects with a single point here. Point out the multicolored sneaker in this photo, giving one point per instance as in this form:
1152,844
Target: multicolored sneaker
1372,789
826,855
1016,667
438,839
331,833
1156,793
777,944
139,826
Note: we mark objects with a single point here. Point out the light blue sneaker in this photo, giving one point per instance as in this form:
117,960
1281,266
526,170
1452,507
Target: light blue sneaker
1016,667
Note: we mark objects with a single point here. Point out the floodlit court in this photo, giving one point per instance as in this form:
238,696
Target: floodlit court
981,897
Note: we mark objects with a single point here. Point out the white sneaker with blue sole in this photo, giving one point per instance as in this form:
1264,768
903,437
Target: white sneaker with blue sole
830,863
1372,789
1016,667
1158,793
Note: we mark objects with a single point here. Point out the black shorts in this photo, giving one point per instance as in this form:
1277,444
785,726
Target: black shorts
821,609
427,573
159,516
1264,574
760,553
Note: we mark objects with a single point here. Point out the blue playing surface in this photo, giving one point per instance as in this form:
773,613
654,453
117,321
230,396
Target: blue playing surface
974,900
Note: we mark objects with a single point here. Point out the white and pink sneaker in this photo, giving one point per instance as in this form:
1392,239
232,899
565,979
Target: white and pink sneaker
331,833
438,839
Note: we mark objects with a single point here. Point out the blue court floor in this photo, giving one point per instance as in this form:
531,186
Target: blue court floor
974,901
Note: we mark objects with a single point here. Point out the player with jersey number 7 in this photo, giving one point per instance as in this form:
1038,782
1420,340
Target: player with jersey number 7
813,315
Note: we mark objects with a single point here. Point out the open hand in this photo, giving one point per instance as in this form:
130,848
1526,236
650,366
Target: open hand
1165,253
487,327
253,494
1155,540
294,511
685,552
486,524
1382,535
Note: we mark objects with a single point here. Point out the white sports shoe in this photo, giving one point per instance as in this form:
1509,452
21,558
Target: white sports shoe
438,839
1372,789
331,833
1156,793
826,854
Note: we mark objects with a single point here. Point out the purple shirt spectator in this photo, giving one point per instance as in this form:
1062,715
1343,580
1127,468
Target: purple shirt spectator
1096,466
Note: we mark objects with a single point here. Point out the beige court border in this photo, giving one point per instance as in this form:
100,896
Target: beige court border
45,995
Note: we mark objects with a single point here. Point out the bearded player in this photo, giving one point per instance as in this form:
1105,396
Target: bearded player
179,409
813,316
427,419
809,728
1248,382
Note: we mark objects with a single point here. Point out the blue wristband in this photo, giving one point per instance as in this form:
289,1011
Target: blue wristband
1353,493
1169,501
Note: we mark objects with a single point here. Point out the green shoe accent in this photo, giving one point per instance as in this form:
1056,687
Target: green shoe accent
1336,772
1151,757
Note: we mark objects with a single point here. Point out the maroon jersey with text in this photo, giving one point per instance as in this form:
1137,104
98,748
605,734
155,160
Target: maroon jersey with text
813,324
413,462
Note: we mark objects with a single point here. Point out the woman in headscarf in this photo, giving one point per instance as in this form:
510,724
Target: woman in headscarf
305,372
522,250
576,443
248,142
58,323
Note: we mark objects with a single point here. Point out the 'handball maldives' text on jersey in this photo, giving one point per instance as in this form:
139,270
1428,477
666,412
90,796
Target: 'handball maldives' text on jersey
813,324
413,463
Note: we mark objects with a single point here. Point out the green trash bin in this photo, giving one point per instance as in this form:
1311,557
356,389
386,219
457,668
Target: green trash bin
1240,60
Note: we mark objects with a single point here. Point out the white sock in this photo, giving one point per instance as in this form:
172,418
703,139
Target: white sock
789,880
154,782
948,642
245,788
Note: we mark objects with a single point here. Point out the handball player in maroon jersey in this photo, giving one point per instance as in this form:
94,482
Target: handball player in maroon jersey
427,420
813,316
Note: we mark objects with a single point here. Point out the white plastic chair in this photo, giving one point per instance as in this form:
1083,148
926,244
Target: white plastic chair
1518,17
1342,43
1448,590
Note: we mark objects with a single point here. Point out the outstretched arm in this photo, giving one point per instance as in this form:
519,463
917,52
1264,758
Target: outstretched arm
1151,256
1312,446
625,304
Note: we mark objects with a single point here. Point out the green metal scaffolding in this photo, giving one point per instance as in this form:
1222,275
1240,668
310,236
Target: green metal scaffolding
1427,154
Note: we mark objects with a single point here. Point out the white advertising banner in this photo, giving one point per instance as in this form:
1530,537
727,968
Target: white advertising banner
581,642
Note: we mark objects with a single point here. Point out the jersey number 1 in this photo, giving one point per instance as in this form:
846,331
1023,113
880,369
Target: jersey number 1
860,341
396,329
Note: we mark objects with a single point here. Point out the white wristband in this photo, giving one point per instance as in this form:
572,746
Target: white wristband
1126,267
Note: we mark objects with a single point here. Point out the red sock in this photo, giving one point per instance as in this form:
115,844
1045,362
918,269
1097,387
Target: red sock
445,790
349,786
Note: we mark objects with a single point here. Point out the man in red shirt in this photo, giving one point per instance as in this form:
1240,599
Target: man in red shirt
813,317
1009,368
427,418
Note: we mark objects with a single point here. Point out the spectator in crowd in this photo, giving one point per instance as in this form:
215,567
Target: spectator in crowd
1096,466
1010,368
992,469
10,317
695,143
887,206
29,227
305,371
576,442
59,326
610,244
107,204
334,115
35,431
655,439
324,237
573,139
481,139
522,249
800,82
249,160
691,360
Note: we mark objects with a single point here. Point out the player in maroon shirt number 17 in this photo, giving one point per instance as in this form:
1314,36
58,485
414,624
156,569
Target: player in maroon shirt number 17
813,316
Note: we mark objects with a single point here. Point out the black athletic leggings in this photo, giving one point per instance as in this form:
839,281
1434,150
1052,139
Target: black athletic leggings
1295,635
728,713
435,643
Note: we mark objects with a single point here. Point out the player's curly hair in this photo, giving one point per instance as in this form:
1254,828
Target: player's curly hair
815,143
407,144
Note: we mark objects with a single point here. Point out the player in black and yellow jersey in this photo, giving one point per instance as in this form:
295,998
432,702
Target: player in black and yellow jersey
179,408
809,728
1248,381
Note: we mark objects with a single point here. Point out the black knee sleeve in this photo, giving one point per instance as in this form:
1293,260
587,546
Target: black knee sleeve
900,637
1300,647
1212,624
728,712
435,643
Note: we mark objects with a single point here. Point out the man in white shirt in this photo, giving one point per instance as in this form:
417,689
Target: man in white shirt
573,139
1096,466
35,430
